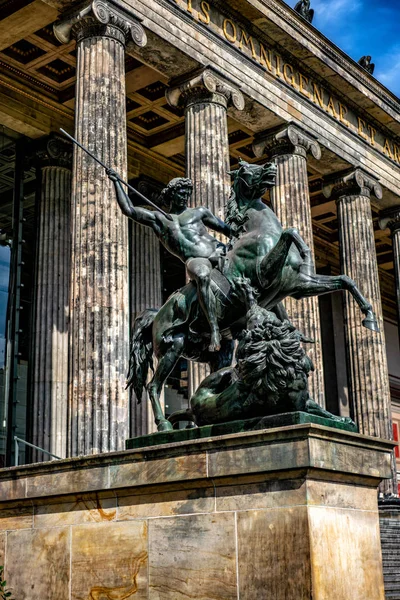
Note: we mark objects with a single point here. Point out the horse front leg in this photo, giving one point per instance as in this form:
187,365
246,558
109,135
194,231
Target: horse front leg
307,267
165,365
272,264
317,285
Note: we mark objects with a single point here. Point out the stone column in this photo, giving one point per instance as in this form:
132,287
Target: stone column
145,292
288,148
206,96
391,218
99,340
51,300
366,352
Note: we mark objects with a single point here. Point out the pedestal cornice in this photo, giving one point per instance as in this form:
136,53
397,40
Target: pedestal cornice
100,19
54,151
289,139
390,218
204,86
353,183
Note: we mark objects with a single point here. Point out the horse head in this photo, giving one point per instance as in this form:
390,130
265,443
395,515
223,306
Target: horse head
250,182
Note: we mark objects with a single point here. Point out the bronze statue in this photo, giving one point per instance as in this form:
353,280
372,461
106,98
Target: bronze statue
365,62
239,294
277,263
303,8
186,237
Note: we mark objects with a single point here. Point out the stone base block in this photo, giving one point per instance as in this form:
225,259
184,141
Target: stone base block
282,514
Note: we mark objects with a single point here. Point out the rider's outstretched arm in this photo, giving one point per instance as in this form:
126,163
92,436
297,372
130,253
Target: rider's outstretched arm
136,213
215,223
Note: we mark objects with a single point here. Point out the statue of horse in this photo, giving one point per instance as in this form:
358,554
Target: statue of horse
276,261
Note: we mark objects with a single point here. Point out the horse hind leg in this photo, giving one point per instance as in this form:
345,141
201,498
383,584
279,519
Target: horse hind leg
273,263
317,285
164,368
307,267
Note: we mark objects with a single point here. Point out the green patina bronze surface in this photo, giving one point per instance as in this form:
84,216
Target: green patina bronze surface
283,420
235,292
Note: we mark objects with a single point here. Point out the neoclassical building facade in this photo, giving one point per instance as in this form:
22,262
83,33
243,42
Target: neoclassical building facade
159,89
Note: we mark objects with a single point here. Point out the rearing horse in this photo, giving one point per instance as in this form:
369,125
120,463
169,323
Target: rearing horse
276,261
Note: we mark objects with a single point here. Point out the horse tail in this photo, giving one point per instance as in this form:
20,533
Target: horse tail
181,415
141,354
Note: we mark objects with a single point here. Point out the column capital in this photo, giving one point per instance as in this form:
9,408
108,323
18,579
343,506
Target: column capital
53,151
99,18
352,183
204,85
289,139
390,218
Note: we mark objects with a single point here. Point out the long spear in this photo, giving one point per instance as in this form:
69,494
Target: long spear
132,189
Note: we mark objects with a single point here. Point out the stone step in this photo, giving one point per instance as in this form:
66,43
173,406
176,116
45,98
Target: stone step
395,577
390,543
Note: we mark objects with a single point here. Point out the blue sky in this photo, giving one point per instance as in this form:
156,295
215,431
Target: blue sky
364,27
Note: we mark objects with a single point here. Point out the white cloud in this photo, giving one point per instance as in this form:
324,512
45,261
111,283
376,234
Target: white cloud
329,11
387,72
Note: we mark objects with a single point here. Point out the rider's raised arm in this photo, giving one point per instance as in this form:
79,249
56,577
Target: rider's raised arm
136,213
215,223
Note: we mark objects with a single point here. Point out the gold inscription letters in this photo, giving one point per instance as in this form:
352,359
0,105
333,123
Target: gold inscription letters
276,66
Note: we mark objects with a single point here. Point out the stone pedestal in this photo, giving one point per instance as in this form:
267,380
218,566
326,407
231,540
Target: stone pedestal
50,321
366,352
99,335
290,197
391,218
206,96
285,514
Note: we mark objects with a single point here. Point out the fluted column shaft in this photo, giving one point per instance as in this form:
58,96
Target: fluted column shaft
366,350
99,338
391,218
207,153
207,165
50,320
146,292
396,261
99,298
290,198
206,97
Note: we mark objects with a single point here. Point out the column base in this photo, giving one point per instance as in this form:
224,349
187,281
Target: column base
207,431
288,513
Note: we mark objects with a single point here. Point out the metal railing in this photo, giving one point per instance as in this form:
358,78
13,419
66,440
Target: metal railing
18,440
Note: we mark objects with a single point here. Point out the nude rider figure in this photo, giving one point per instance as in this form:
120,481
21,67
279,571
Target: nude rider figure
186,237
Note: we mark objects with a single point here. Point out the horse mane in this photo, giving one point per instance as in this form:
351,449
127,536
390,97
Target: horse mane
235,216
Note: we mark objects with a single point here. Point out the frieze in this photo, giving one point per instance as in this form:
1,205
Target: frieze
280,68
344,62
